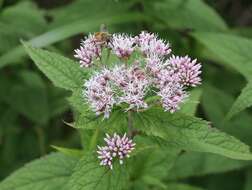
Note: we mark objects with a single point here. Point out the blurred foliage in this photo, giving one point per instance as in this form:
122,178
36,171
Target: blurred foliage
219,33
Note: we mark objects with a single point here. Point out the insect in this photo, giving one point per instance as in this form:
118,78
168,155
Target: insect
103,36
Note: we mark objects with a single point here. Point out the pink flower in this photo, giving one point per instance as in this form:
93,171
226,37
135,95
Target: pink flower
172,95
99,93
117,148
122,45
188,70
132,83
89,50
154,64
149,44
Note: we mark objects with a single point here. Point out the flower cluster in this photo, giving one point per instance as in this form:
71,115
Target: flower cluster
117,148
90,49
154,70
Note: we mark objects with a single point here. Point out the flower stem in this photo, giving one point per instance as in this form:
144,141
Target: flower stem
130,124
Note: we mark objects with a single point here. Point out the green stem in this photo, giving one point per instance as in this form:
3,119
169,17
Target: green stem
41,139
130,124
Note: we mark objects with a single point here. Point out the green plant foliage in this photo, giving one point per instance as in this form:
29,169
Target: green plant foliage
88,174
191,133
51,172
242,102
189,14
63,72
206,144
192,164
229,50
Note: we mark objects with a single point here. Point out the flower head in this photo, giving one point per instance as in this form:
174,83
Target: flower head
133,84
122,45
116,148
187,69
172,95
99,93
89,50
149,44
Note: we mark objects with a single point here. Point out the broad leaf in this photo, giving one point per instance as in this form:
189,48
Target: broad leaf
197,164
190,133
242,102
89,175
62,71
229,50
48,173
190,14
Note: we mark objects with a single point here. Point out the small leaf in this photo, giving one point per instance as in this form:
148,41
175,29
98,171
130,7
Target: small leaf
89,175
50,173
62,71
242,102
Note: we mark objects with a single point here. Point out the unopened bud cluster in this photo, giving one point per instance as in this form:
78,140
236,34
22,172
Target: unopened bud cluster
116,148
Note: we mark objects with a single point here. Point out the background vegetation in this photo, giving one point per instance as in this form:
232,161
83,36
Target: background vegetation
34,113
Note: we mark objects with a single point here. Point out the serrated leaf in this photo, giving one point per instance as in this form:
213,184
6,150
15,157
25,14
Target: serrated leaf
89,175
229,50
190,133
48,173
62,71
189,14
242,102
117,122
197,164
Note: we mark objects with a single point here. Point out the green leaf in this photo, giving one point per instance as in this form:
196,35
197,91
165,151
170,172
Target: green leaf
62,71
48,173
216,108
180,186
67,30
89,175
153,159
117,122
69,151
23,96
190,106
197,164
189,14
190,133
248,183
242,102
229,50
20,21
